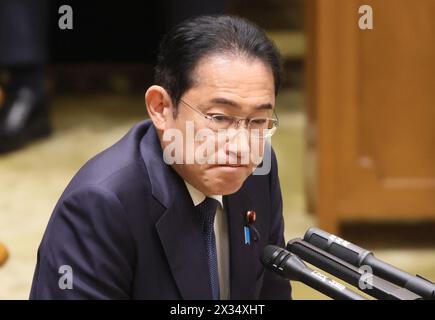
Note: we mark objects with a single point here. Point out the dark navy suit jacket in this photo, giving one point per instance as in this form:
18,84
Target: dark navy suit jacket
126,226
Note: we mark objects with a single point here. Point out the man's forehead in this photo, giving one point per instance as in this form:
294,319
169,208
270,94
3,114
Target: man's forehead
232,72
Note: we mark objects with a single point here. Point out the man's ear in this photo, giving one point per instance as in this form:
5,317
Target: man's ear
158,104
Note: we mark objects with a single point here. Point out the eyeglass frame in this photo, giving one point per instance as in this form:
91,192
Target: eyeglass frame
236,119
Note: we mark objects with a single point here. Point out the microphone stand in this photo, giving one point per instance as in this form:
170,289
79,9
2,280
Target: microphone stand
291,267
375,287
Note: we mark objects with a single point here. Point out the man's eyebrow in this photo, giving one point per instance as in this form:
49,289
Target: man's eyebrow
224,101
234,104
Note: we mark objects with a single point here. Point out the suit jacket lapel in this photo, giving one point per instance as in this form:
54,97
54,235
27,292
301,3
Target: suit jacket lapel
179,227
243,257
180,235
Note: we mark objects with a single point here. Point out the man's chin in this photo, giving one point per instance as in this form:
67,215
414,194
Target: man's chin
225,188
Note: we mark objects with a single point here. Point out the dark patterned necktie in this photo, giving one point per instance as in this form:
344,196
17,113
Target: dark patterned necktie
207,212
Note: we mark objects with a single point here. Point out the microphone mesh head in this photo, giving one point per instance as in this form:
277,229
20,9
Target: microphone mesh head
269,254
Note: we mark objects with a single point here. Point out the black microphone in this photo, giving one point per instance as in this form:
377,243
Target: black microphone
359,257
366,282
290,267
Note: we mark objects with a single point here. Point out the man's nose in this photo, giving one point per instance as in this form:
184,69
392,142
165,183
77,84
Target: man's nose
238,145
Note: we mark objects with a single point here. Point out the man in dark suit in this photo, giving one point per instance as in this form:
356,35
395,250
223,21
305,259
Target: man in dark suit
141,221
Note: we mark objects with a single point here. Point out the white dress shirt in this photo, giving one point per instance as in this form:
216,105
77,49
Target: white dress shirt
222,239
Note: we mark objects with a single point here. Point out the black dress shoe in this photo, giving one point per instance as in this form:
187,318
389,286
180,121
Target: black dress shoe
23,118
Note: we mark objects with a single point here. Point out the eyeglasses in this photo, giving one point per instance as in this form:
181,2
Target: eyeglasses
258,127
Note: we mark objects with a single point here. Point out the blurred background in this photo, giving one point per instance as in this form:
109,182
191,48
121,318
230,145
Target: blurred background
356,143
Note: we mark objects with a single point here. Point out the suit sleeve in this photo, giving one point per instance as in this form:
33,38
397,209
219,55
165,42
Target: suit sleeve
87,251
275,287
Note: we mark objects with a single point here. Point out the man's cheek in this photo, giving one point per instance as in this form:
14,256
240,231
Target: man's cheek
257,148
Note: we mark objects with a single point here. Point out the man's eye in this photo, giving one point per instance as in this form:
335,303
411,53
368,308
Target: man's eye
259,121
221,118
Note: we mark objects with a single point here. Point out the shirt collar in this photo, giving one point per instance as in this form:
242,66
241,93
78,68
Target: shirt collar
198,197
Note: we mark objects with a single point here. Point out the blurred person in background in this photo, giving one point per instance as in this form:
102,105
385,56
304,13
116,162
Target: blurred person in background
23,52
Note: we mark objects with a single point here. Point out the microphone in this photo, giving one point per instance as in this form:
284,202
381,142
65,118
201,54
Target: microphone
290,267
366,282
359,257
